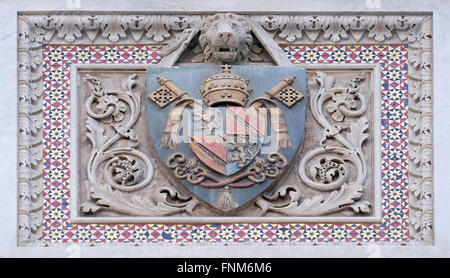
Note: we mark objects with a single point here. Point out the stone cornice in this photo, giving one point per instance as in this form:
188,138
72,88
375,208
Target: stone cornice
76,27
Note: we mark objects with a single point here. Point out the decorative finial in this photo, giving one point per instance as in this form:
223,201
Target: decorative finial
226,201
226,68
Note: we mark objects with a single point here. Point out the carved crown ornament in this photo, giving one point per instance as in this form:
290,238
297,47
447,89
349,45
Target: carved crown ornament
332,175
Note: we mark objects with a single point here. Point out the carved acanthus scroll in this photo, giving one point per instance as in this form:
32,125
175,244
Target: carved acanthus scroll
114,169
327,168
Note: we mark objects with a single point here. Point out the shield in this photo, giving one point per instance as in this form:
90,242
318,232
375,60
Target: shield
236,141
228,137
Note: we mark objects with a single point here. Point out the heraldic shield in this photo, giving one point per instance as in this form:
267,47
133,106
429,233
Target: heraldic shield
226,133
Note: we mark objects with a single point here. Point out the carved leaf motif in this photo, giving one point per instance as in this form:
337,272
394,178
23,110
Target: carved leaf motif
36,156
326,81
324,168
29,221
345,196
113,27
136,26
358,133
90,207
166,193
289,193
91,26
113,171
95,133
415,189
361,207
318,205
179,23
115,200
407,27
284,191
34,189
358,25
44,27
69,27
379,28
270,23
414,122
157,28
335,28
291,27
415,154
313,25
333,106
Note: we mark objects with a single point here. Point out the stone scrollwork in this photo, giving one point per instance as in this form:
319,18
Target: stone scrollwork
164,200
125,169
183,169
195,175
326,168
269,167
113,171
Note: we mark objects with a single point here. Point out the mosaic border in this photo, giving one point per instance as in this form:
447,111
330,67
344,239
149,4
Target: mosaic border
56,218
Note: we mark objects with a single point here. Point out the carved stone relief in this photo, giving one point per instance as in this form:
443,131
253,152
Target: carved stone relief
224,38
322,173
356,28
335,169
115,154
333,174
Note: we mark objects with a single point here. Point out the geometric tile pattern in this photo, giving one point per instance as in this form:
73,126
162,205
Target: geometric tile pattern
56,139
57,60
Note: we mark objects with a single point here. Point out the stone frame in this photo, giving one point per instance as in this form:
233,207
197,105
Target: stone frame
34,29
75,217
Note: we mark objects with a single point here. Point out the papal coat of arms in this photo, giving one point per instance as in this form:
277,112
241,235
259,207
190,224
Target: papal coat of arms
226,133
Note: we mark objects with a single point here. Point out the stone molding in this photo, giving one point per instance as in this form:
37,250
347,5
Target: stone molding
335,28
35,29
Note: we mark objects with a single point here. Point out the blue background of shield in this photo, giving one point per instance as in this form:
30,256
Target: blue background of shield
262,79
